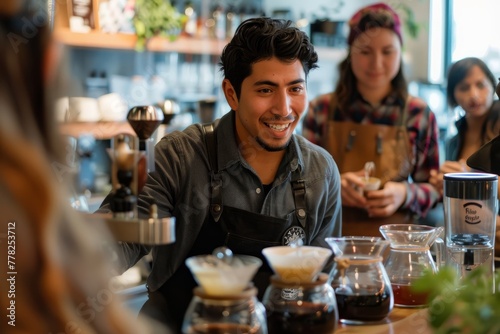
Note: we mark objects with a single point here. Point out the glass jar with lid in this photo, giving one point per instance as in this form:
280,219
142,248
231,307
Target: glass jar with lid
302,307
239,313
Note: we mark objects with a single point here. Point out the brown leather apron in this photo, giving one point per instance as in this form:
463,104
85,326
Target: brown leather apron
352,145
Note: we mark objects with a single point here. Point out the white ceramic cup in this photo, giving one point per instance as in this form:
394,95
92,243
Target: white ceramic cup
84,109
373,183
113,107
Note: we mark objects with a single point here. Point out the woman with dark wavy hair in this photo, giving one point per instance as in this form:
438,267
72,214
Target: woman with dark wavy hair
370,117
470,86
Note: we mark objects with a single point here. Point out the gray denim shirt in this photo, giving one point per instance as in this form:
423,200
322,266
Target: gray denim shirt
180,186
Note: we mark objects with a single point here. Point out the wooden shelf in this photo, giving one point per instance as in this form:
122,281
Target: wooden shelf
188,45
100,130
97,39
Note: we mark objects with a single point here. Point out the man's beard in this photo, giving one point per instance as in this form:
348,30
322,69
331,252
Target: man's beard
271,148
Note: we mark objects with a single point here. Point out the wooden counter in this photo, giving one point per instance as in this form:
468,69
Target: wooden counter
355,222
399,321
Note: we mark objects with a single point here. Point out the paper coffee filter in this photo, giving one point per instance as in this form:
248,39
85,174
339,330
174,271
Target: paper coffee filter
219,278
297,264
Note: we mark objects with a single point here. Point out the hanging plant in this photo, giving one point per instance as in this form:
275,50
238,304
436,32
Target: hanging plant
410,23
155,18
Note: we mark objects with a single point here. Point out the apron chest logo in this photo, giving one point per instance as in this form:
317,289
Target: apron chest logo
293,234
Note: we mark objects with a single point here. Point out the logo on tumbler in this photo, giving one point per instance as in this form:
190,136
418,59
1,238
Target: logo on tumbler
471,213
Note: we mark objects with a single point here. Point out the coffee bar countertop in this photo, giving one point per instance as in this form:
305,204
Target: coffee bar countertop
399,321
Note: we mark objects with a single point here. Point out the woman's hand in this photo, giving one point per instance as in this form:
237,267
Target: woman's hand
386,201
436,178
352,189
454,167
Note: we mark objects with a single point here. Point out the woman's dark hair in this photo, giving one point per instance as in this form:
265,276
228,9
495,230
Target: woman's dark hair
346,85
263,38
459,70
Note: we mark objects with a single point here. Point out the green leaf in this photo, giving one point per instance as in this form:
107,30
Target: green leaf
155,17
462,306
140,29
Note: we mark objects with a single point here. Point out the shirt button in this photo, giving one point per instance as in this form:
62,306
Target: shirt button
258,190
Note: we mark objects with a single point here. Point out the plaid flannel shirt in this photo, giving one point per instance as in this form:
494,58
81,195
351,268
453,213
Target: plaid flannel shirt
422,128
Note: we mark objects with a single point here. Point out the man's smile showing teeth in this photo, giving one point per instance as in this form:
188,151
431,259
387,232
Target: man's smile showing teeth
278,127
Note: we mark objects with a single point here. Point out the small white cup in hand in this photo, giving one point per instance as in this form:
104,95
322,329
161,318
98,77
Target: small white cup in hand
372,183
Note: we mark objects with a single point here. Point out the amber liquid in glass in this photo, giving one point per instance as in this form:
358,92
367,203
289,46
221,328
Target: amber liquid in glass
405,296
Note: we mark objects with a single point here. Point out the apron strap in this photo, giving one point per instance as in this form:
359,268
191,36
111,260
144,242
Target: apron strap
215,177
216,207
299,197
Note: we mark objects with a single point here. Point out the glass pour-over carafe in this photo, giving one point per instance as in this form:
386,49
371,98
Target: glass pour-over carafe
409,257
358,277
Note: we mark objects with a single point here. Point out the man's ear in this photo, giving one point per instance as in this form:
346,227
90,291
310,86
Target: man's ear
230,94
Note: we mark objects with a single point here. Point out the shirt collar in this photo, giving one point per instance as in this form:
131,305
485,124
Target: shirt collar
392,99
227,148
229,154
461,124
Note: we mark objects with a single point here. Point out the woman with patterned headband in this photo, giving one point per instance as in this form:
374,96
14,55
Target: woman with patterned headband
371,117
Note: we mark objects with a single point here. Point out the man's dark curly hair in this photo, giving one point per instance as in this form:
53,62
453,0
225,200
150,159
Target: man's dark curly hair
262,38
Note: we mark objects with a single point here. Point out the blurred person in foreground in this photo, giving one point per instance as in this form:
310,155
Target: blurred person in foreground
371,117
54,278
256,185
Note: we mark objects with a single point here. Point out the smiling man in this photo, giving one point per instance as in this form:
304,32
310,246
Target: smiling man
250,183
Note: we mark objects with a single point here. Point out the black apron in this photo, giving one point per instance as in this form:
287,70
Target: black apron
241,231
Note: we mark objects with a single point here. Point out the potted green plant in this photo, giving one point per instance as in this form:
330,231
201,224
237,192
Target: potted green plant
155,18
462,306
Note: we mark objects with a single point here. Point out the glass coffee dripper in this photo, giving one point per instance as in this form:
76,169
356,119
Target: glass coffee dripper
359,279
409,257
225,302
